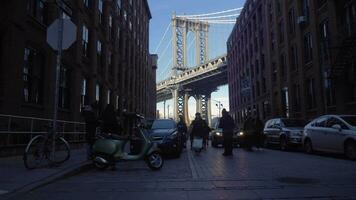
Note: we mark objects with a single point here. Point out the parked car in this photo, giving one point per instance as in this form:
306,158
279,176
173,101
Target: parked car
217,137
164,132
284,132
331,133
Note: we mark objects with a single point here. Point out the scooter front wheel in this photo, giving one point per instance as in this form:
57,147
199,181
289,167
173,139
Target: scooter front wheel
100,163
154,161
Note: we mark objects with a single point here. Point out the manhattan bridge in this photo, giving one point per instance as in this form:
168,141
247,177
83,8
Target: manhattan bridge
206,74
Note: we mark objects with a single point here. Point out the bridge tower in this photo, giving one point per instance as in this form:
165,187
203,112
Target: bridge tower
181,26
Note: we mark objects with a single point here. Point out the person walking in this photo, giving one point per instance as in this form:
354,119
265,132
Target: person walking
227,125
249,131
258,126
90,114
198,129
182,129
109,120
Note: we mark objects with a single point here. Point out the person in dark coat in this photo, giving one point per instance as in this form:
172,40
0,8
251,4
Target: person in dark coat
249,132
199,129
90,114
258,131
182,129
227,125
109,121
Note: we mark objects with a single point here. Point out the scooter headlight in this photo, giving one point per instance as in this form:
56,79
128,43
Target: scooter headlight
241,133
218,134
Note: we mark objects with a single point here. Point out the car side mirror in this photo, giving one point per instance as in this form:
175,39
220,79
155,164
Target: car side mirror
337,127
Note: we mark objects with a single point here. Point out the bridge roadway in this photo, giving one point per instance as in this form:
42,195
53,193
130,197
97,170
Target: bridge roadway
198,80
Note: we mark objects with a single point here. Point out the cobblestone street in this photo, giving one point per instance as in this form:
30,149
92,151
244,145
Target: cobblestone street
267,174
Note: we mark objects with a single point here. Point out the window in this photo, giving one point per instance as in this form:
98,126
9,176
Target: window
296,98
291,20
330,92
36,8
64,87
281,31
108,97
311,98
285,101
294,58
110,27
351,74
87,3
324,40
305,8
33,76
278,7
99,54
125,15
97,92
118,3
282,65
84,93
100,8
308,48
85,40
334,121
351,18
320,122
274,73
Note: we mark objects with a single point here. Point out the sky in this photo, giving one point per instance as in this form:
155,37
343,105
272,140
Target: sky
162,11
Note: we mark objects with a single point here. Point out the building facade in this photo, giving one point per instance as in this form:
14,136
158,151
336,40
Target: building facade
293,59
109,62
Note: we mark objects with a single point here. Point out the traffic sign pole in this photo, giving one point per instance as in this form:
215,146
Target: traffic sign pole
57,77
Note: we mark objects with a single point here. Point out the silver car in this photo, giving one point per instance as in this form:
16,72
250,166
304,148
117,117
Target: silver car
331,133
285,132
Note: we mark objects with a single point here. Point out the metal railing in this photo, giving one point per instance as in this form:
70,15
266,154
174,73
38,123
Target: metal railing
16,131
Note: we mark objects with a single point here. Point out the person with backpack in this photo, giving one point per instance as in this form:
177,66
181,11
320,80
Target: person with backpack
227,125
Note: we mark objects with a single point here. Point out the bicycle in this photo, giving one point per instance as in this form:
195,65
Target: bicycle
41,146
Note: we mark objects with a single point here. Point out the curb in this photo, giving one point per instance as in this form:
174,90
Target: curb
65,173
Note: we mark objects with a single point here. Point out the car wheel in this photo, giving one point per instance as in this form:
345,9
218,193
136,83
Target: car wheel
350,150
308,146
283,144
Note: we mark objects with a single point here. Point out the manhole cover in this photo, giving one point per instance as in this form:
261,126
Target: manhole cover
297,180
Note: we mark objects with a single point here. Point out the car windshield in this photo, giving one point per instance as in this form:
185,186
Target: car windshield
293,122
163,124
350,120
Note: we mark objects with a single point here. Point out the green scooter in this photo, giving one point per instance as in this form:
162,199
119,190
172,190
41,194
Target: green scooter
109,149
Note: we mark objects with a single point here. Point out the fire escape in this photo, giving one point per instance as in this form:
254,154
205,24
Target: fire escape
346,49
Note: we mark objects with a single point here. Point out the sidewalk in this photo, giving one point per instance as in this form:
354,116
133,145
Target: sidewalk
15,178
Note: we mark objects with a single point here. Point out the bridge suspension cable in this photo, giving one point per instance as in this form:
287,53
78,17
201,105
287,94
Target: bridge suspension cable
215,17
164,35
232,21
214,13
165,49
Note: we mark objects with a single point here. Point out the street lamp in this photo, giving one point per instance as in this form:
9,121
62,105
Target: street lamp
219,105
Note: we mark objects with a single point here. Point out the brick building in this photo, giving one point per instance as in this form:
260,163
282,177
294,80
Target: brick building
109,62
293,59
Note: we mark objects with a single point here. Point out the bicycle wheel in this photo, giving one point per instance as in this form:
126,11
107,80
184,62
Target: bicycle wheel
62,151
35,152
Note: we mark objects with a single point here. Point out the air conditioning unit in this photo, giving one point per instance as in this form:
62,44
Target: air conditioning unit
302,20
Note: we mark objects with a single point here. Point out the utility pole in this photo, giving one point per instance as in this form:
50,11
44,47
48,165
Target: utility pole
57,73
168,111
164,109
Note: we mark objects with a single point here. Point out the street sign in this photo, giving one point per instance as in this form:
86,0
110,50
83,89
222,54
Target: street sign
69,34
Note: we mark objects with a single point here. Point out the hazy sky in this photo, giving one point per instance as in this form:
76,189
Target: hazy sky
162,11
